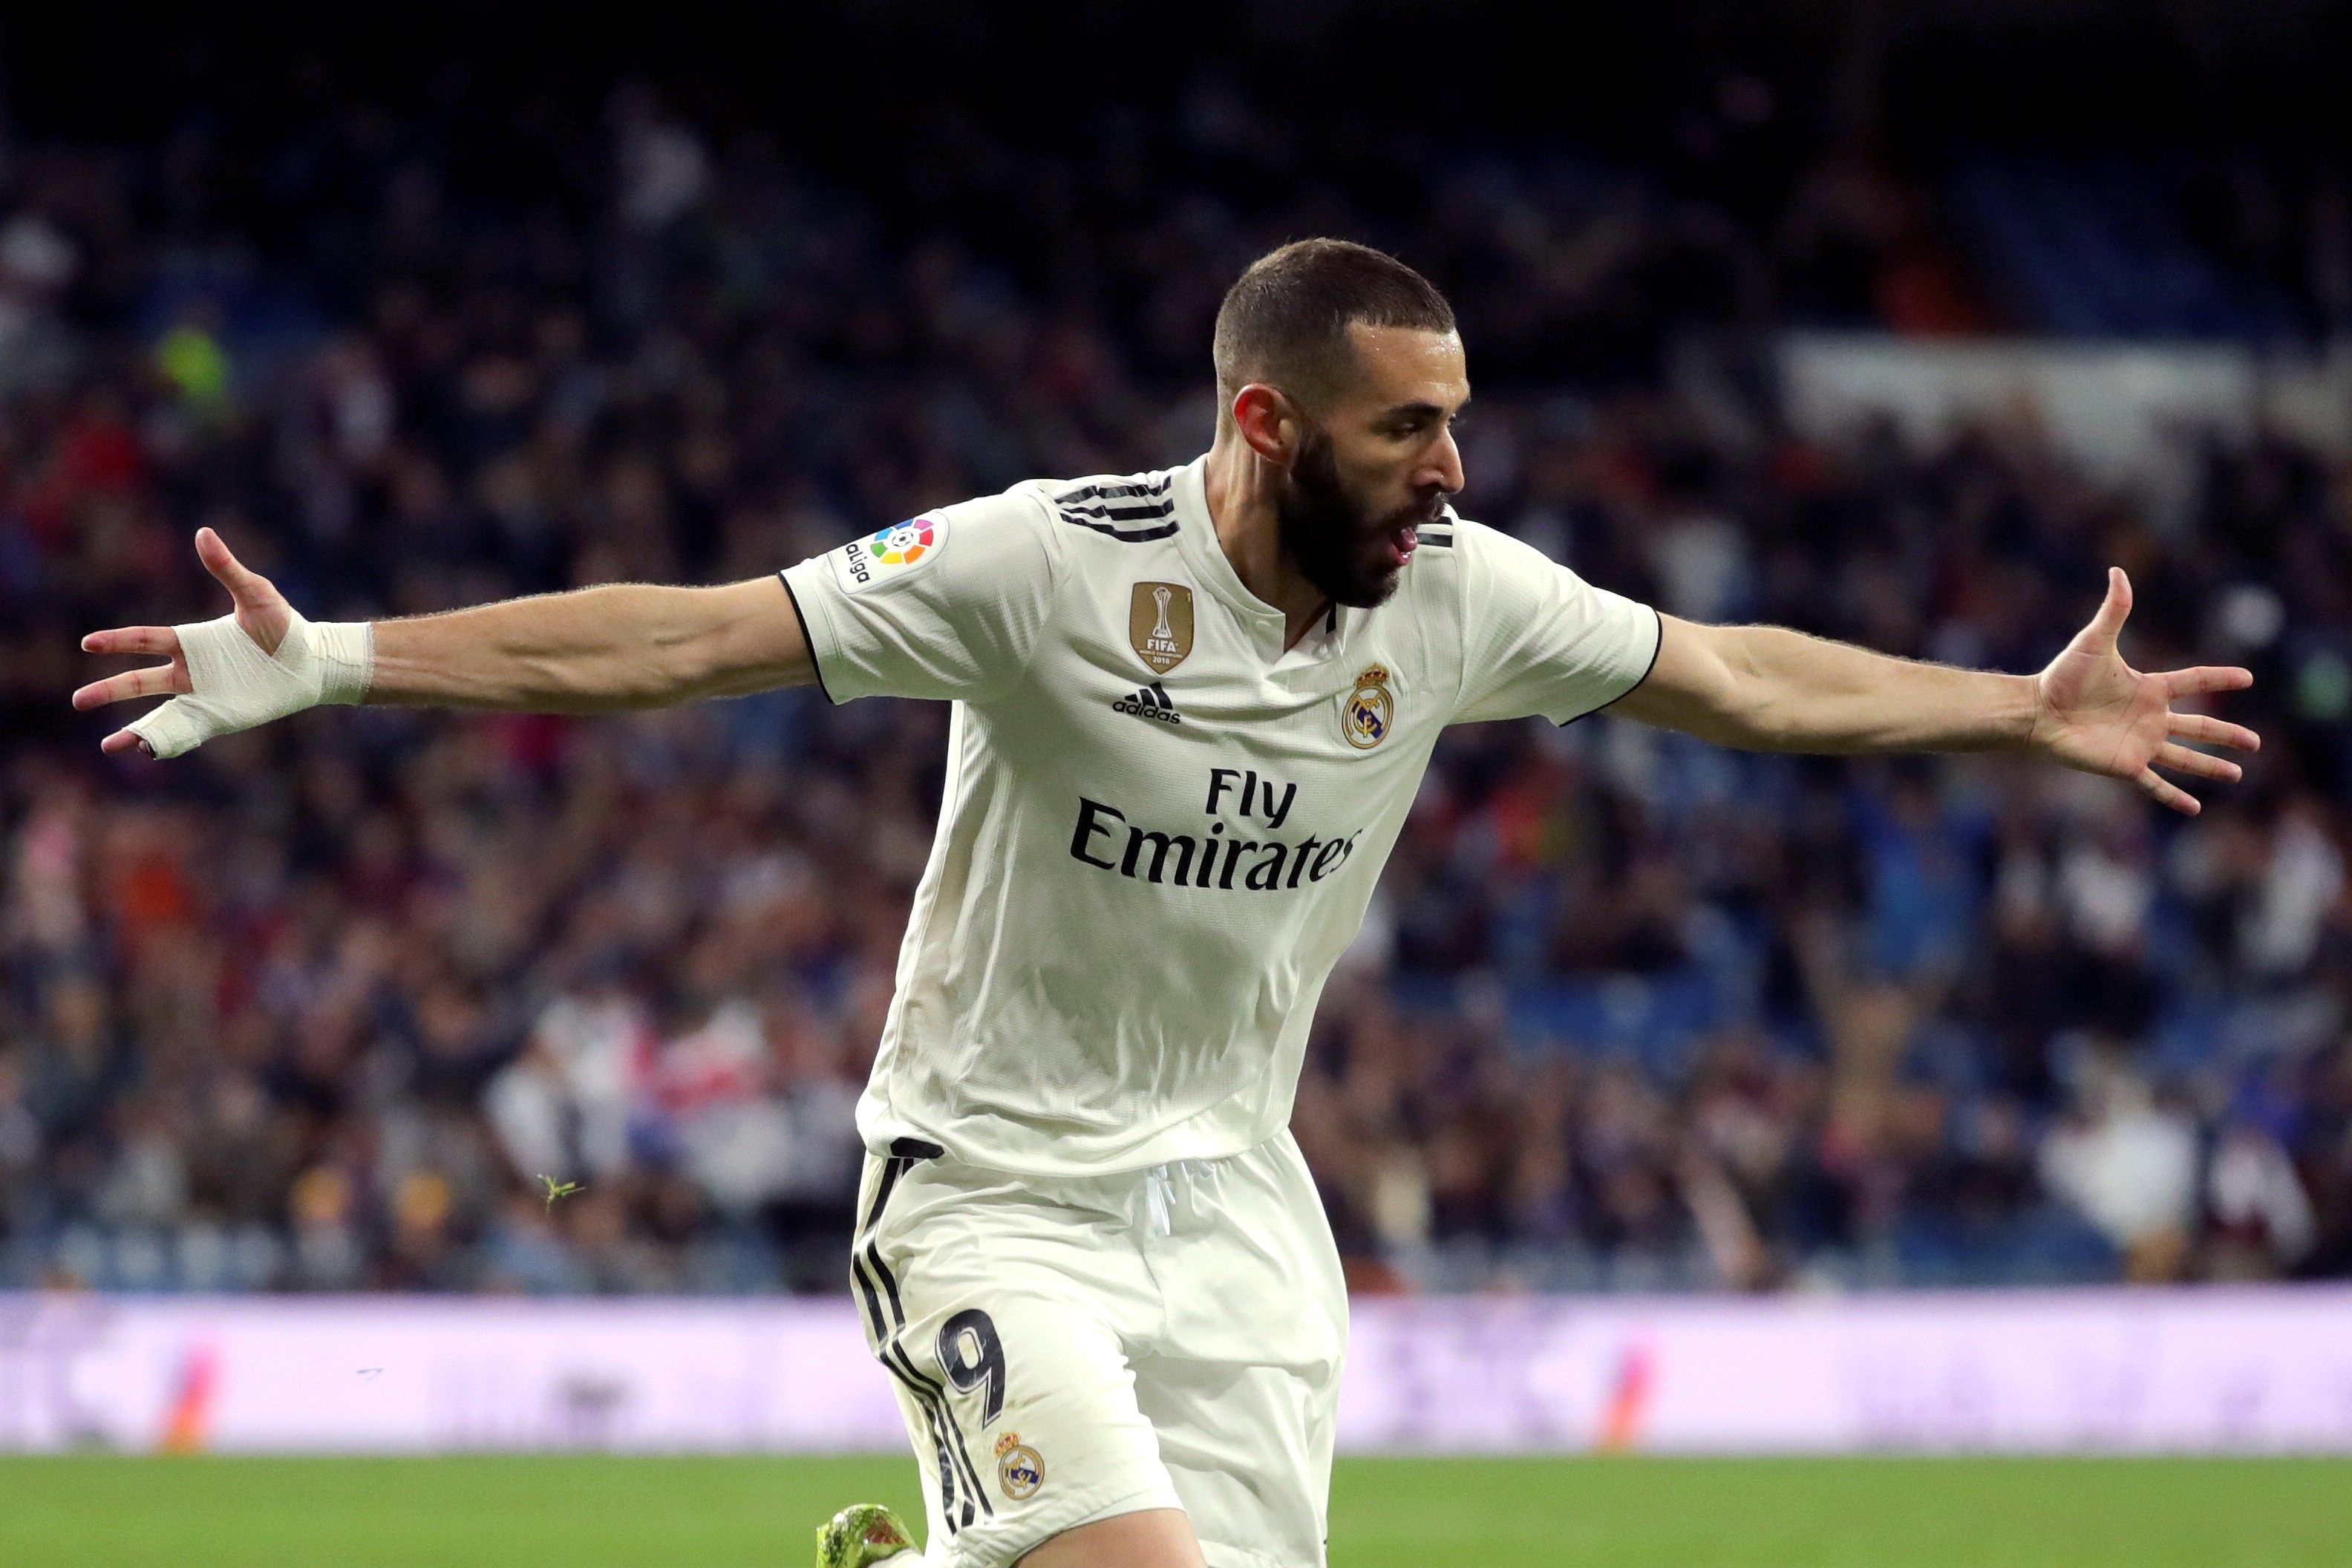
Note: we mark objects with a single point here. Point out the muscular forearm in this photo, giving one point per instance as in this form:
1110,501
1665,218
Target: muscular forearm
1792,692
626,646
623,645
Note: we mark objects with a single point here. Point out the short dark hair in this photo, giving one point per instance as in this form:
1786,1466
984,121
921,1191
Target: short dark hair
1284,321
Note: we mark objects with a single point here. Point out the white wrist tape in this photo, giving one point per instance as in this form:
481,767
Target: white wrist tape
238,686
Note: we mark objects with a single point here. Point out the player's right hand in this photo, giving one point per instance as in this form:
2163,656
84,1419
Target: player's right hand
264,661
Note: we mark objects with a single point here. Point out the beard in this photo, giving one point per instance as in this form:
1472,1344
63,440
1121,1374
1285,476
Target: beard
1337,542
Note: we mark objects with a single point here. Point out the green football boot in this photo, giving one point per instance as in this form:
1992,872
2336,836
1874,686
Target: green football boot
862,1535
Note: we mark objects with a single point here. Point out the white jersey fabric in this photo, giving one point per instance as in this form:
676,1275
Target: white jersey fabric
1159,829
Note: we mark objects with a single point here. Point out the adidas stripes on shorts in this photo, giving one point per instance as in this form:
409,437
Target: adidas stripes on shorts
1066,1349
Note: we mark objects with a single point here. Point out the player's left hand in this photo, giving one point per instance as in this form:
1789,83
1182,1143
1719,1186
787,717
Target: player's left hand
2095,713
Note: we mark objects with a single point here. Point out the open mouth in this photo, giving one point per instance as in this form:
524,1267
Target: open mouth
1401,543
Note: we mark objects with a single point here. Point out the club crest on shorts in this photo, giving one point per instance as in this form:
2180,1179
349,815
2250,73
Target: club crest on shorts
1366,716
1160,624
1019,1470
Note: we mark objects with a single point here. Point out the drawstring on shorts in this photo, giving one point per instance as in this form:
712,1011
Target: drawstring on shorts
1174,1189
1159,1196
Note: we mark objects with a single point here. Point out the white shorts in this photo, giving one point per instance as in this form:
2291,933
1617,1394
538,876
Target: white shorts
1068,1349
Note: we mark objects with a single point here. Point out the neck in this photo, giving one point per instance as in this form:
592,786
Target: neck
1240,491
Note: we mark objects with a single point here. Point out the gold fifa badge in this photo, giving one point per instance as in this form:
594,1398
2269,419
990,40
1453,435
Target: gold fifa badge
1019,1471
1370,709
1160,624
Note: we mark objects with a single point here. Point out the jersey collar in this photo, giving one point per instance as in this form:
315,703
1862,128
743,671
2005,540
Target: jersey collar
1196,535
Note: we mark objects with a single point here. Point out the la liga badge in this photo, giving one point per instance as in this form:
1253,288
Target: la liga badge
862,562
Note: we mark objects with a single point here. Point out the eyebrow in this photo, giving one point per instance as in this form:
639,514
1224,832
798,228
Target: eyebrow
1420,410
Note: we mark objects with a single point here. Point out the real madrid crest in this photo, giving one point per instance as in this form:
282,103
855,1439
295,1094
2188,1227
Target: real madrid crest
1369,710
1019,1470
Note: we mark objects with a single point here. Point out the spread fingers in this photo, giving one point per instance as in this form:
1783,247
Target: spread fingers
155,680
161,641
2182,760
2214,732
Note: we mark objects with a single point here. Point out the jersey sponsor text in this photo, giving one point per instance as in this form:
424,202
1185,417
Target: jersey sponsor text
1212,858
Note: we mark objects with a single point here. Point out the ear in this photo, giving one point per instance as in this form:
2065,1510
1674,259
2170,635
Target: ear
1269,422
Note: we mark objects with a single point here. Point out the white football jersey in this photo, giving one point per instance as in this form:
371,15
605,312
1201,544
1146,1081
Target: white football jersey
1159,829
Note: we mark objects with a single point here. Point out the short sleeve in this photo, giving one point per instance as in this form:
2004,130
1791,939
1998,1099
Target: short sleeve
1537,639
946,605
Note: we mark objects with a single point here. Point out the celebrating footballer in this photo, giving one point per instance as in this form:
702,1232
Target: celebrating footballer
1191,709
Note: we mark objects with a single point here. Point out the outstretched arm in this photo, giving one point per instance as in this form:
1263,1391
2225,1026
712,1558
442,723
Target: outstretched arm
595,650
1767,689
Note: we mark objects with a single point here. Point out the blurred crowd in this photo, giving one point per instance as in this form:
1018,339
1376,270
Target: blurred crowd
384,999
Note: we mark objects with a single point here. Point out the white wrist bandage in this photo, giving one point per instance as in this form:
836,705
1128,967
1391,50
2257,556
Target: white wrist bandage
238,686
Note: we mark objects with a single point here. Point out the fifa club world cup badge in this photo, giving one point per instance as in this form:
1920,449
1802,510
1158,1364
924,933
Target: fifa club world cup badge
1160,624
1370,709
1019,1470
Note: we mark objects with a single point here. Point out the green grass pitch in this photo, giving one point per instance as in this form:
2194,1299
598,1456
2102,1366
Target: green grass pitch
599,1512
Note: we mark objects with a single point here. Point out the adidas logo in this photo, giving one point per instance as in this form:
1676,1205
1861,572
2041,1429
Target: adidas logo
1150,701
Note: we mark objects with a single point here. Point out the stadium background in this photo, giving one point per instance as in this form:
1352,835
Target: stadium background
426,309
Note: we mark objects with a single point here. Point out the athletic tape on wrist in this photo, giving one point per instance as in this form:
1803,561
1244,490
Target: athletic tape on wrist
238,686
346,651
